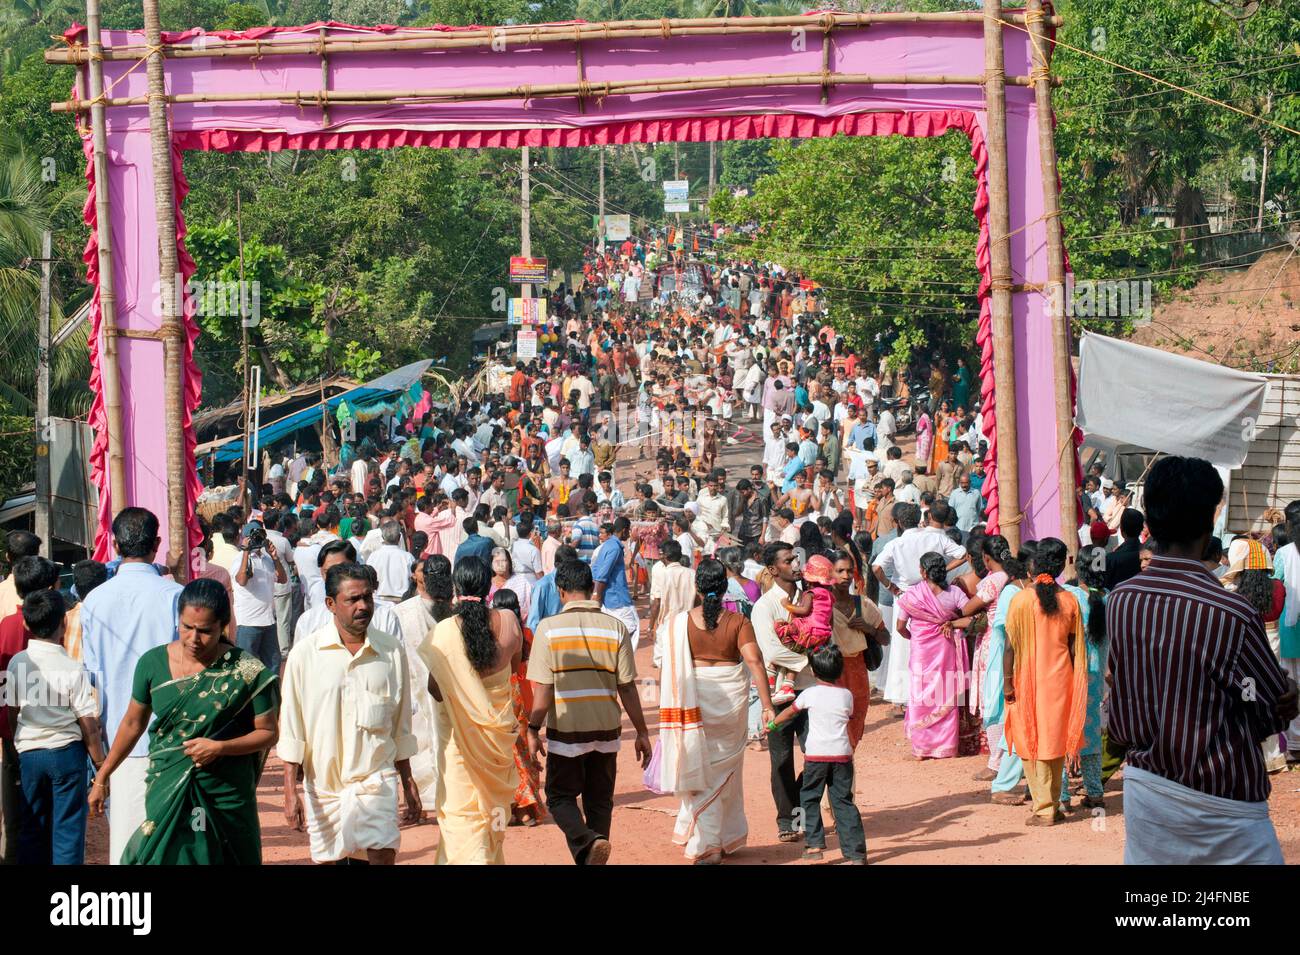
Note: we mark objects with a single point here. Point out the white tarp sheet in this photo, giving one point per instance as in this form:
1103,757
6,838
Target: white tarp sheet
1166,402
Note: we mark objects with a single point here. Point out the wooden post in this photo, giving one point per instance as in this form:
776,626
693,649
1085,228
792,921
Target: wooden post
173,331
1004,370
1054,293
324,78
108,367
43,426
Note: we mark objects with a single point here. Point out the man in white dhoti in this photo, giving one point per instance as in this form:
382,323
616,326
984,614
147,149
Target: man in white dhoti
345,730
417,617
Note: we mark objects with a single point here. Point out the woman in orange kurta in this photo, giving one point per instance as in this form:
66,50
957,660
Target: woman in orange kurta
1045,680
939,446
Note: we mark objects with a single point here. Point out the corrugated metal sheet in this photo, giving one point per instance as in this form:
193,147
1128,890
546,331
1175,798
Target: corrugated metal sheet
1270,476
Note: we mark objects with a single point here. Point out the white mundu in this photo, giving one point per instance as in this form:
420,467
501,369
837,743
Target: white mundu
346,719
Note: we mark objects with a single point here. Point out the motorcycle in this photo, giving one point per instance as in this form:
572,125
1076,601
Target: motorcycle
904,413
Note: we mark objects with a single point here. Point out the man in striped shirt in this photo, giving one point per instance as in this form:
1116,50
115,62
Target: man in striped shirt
581,668
1196,688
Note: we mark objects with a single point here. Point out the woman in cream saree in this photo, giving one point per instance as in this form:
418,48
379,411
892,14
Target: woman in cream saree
704,719
470,657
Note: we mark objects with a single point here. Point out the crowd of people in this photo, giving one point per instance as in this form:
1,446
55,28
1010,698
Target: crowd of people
441,625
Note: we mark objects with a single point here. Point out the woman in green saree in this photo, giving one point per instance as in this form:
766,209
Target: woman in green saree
216,718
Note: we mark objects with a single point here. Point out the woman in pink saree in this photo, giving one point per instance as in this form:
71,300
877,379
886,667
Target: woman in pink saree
924,440
929,614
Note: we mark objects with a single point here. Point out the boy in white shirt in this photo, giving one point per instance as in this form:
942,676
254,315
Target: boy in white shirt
828,758
55,715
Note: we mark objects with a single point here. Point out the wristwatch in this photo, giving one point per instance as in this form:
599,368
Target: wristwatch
534,728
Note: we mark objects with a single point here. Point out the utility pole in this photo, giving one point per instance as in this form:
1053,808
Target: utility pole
677,174
1263,176
711,177
601,224
251,485
43,428
525,213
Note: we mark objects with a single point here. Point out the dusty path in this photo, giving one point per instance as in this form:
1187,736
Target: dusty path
913,812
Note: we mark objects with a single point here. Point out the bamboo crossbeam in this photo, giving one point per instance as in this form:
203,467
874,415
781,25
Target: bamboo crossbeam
319,98
525,35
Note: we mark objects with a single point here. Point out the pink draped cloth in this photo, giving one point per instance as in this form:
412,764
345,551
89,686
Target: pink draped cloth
924,437
938,669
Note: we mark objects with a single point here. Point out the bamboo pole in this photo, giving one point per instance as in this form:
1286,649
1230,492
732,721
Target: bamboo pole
1055,292
109,371
324,78
1004,355
173,332
322,98
528,35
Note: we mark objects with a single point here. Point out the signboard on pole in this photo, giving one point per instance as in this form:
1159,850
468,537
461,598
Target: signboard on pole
618,228
528,271
676,190
677,207
527,311
526,344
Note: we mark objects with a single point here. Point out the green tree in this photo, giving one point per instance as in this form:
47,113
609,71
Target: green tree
25,213
885,225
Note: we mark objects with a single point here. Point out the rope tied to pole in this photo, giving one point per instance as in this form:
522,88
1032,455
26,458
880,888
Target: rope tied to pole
1038,73
1056,214
828,22
665,28
1020,514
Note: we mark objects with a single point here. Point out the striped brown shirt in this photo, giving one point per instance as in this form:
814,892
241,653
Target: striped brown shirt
1195,684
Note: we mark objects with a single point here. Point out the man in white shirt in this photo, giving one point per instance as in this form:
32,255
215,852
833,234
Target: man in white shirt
282,596
582,384
899,567
714,512
360,471
525,555
345,730
894,466
392,563
304,555
767,612
583,460
451,480
495,495
255,572
331,555
774,452
885,430
906,491
57,726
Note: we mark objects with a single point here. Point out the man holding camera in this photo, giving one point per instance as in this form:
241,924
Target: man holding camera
255,572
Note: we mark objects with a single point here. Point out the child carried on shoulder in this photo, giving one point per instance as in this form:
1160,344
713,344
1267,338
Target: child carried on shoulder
809,626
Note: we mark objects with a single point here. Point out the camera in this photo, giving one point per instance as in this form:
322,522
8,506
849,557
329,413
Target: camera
255,538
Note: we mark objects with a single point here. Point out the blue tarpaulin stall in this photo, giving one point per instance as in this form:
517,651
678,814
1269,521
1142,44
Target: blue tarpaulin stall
358,400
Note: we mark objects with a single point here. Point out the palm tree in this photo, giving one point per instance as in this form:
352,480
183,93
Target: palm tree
25,213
